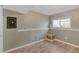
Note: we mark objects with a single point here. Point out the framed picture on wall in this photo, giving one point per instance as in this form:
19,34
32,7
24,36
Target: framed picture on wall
11,22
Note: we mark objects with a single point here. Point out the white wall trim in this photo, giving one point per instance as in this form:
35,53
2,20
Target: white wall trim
1,29
65,29
32,29
67,43
38,42
23,46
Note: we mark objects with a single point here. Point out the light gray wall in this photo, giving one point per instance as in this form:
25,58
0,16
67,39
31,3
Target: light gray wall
10,35
14,38
1,29
32,20
68,35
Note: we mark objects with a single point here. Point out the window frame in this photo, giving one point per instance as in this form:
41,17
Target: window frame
62,18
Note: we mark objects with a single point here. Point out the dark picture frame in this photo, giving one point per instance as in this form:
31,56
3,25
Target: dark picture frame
11,22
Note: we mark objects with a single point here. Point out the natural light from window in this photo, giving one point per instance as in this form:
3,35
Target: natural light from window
62,23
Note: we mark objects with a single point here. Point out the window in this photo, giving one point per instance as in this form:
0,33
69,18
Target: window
56,23
62,23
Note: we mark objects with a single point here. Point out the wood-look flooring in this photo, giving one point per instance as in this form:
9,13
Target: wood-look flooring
48,47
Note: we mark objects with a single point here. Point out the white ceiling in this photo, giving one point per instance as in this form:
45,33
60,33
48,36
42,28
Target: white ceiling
44,9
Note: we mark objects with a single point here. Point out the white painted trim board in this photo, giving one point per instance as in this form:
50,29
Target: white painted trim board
23,46
74,45
32,29
38,42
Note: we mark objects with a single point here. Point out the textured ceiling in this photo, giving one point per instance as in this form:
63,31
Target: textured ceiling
44,9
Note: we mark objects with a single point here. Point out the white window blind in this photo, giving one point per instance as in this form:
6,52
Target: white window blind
56,23
62,23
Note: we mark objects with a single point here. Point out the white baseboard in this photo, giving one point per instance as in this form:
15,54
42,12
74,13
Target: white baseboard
23,46
38,42
67,43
